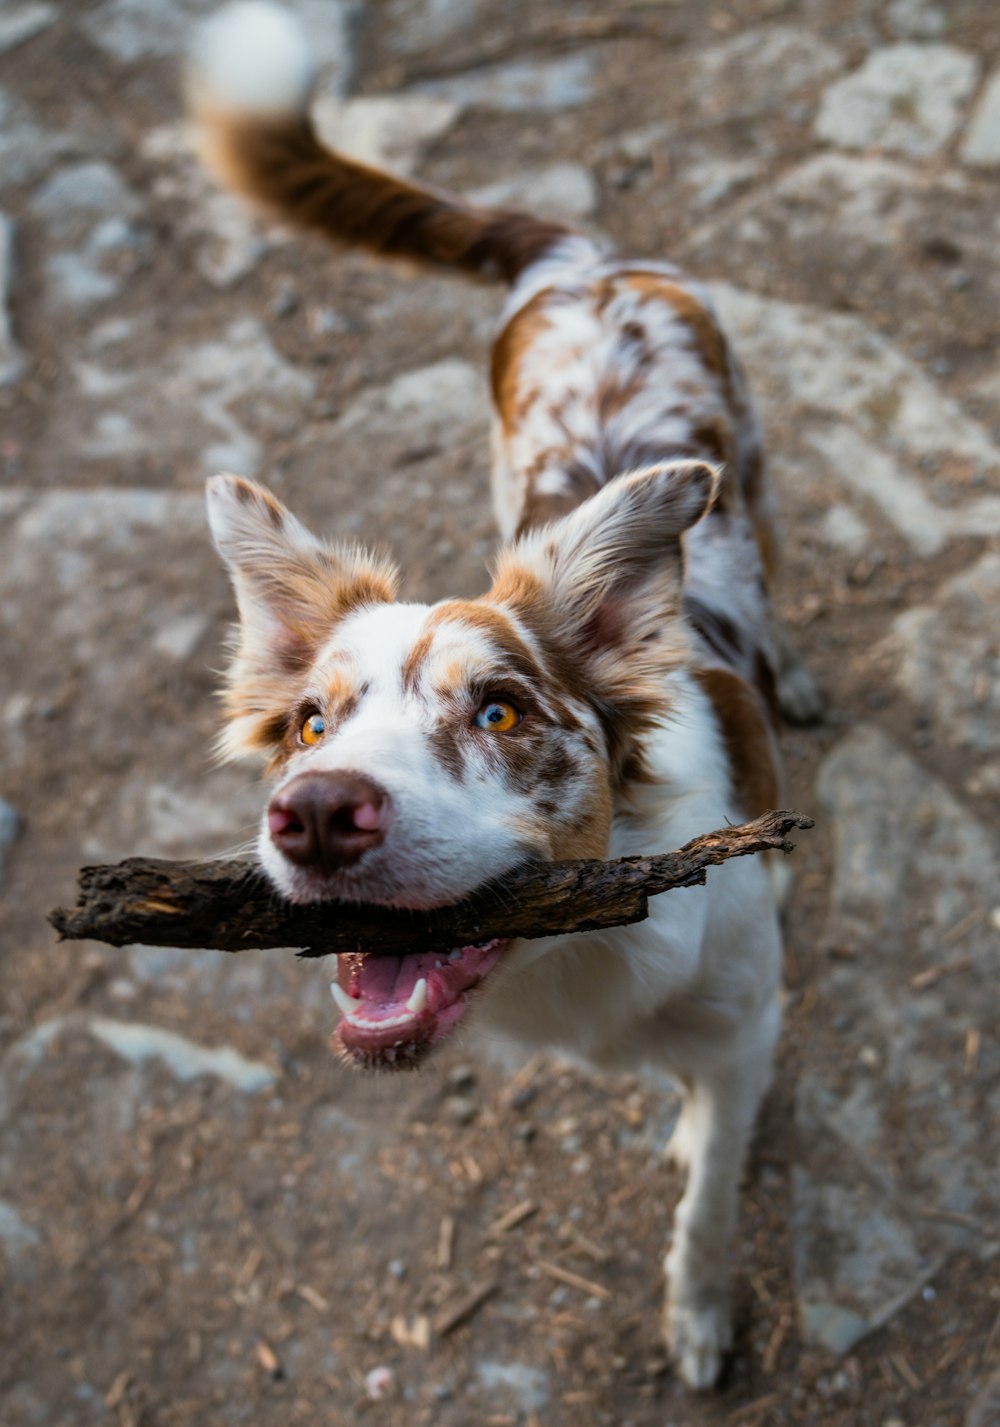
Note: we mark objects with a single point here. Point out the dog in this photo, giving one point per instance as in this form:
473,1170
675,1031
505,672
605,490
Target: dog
614,692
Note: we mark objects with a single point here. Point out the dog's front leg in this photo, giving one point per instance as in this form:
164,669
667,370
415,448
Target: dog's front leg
720,1105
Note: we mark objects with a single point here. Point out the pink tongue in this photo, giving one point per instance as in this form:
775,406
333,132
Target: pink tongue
386,980
385,983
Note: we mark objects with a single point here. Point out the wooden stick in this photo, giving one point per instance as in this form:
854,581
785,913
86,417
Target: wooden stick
229,906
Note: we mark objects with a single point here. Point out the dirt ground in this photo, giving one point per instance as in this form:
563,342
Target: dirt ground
262,1236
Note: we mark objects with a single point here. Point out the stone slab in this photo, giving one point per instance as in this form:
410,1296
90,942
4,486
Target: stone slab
906,98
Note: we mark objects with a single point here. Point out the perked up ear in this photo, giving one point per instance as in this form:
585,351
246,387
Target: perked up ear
291,590
603,585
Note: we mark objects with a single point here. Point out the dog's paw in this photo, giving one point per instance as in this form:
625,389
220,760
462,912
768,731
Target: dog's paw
699,1335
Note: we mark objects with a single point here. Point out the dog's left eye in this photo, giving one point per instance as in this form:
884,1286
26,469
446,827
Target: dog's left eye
496,716
313,729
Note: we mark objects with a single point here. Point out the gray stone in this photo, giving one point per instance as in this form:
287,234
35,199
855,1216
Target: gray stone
985,1408
77,280
16,1236
758,69
229,237
899,833
221,386
566,191
520,85
87,208
26,148
10,830
411,27
130,30
138,1044
886,1129
21,23
947,657
388,131
905,97
179,637
981,144
87,190
528,1388
855,1260
712,181
917,20
11,356
865,414
194,818
430,403
842,527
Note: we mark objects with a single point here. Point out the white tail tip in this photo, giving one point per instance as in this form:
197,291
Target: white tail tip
251,57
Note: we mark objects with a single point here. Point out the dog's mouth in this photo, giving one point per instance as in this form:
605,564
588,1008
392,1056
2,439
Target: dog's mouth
397,1008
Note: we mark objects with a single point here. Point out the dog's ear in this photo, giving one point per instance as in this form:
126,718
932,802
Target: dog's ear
603,584
291,590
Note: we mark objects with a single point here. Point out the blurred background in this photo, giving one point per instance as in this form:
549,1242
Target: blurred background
203,1219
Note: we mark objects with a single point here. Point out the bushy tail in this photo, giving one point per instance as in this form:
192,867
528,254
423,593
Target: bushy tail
249,86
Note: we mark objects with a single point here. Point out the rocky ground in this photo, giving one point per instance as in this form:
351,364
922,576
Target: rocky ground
202,1218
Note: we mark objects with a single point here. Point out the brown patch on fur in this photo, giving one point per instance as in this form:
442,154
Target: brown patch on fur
709,340
279,162
310,593
748,740
713,439
261,499
624,688
484,616
416,659
518,337
447,748
517,586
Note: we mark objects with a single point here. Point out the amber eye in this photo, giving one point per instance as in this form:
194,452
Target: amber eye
496,716
313,729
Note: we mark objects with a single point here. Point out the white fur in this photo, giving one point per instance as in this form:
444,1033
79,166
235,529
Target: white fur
252,57
445,837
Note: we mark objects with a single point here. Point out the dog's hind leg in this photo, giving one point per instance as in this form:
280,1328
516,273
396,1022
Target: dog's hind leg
718,1118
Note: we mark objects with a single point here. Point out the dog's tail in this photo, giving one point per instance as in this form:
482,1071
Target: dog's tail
249,85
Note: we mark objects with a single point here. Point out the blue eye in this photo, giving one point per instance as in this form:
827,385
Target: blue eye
496,716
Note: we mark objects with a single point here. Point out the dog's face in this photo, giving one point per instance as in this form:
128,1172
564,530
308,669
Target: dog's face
421,751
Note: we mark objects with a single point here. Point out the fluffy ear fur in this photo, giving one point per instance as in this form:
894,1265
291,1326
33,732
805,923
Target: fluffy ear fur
602,588
291,591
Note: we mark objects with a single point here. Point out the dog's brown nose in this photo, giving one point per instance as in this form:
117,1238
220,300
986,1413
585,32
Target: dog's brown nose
327,821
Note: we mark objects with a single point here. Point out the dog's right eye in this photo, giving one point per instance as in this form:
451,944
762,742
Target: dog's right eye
313,729
497,716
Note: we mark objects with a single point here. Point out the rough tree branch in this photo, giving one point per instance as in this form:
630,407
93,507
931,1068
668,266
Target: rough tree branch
229,906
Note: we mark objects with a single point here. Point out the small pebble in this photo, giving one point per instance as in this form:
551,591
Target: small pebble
459,1109
380,1384
461,1077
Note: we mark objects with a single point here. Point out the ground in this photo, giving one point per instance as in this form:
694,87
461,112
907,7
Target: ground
203,1218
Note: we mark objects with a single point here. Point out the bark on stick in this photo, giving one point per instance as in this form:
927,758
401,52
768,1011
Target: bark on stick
229,906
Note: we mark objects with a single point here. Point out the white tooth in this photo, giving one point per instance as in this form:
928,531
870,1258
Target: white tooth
418,997
437,965
346,1003
455,955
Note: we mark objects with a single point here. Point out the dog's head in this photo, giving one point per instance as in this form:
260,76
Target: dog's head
420,751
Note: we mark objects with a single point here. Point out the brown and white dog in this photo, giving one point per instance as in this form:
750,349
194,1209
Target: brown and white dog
613,692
